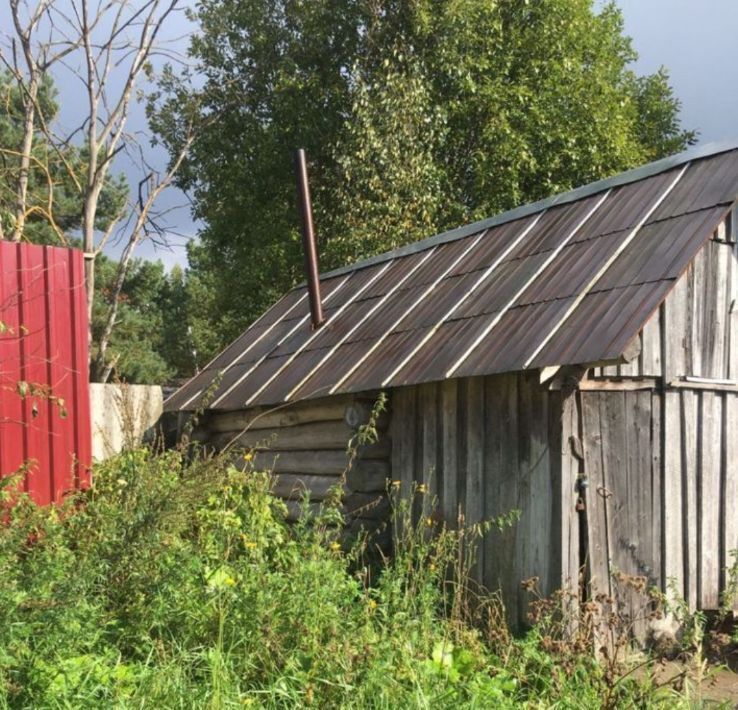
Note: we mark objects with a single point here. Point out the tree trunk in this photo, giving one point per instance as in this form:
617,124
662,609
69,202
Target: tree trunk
29,106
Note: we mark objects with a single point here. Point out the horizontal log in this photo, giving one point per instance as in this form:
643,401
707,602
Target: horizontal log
295,510
333,436
319,410
372,513
317,462
293,485
368,506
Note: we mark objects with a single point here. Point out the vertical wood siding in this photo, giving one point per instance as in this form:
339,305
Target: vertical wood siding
43,344
663,483
487,446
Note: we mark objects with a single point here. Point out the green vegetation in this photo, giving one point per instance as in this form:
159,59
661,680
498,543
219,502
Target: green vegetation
176,585
416,117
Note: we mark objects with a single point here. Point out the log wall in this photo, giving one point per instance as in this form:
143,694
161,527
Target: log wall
490,445
305,445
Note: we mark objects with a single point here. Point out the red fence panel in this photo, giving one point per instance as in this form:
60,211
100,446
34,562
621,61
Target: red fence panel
44,382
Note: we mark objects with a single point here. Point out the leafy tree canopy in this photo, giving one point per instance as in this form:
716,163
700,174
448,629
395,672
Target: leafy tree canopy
417,115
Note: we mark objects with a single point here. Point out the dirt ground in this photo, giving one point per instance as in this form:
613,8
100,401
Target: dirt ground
719,688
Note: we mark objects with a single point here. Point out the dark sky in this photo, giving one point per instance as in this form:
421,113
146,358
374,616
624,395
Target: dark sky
694,39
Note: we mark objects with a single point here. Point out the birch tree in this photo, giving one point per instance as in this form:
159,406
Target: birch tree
111,49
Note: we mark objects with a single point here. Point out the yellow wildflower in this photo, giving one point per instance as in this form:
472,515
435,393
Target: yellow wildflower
248,456
422,488
335,546
372,605
429,522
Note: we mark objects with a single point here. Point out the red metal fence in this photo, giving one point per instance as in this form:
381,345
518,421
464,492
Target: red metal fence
44,384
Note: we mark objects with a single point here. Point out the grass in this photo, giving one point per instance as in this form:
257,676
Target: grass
176,584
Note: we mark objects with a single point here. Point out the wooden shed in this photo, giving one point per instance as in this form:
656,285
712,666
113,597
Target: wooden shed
575,359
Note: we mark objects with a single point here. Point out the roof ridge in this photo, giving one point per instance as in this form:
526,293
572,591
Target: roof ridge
629,176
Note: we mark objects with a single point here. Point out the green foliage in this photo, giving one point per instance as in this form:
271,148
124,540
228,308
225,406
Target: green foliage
170,584
150,342
416,116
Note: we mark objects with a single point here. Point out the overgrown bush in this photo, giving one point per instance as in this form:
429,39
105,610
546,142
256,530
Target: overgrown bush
171,584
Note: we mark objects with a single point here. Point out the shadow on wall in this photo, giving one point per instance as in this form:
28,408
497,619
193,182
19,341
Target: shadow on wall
123,416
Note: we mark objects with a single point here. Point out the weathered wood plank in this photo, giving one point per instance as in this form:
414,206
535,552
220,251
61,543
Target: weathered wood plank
674,330
732,322
475,426
450,454
729,493
719,285
656,481
536,486
316,462
672,496
501,492
334,435
699,345
294,486
275,418
403,437
618,384
597,495
709,500
690,432
650,357
568,468
429,425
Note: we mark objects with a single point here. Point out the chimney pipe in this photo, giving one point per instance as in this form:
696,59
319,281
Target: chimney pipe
309,249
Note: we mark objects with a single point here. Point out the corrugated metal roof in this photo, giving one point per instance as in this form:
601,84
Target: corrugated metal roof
567,280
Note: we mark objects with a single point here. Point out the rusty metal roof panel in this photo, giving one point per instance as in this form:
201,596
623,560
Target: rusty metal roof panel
707,183
234,392
606,316
568,274
519,331
398,270
509,279
567,280
662,249
492,245
383,360
626,207
279,387
556,226
324,378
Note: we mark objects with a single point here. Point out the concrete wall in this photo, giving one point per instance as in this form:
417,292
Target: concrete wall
122,415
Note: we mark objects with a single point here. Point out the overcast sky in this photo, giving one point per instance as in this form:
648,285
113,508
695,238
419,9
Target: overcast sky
693,39
696,41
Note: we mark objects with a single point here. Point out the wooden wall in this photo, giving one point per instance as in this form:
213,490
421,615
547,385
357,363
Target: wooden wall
662,469
661,453
305,445
490,445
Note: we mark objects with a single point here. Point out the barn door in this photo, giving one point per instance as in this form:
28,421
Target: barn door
622,451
